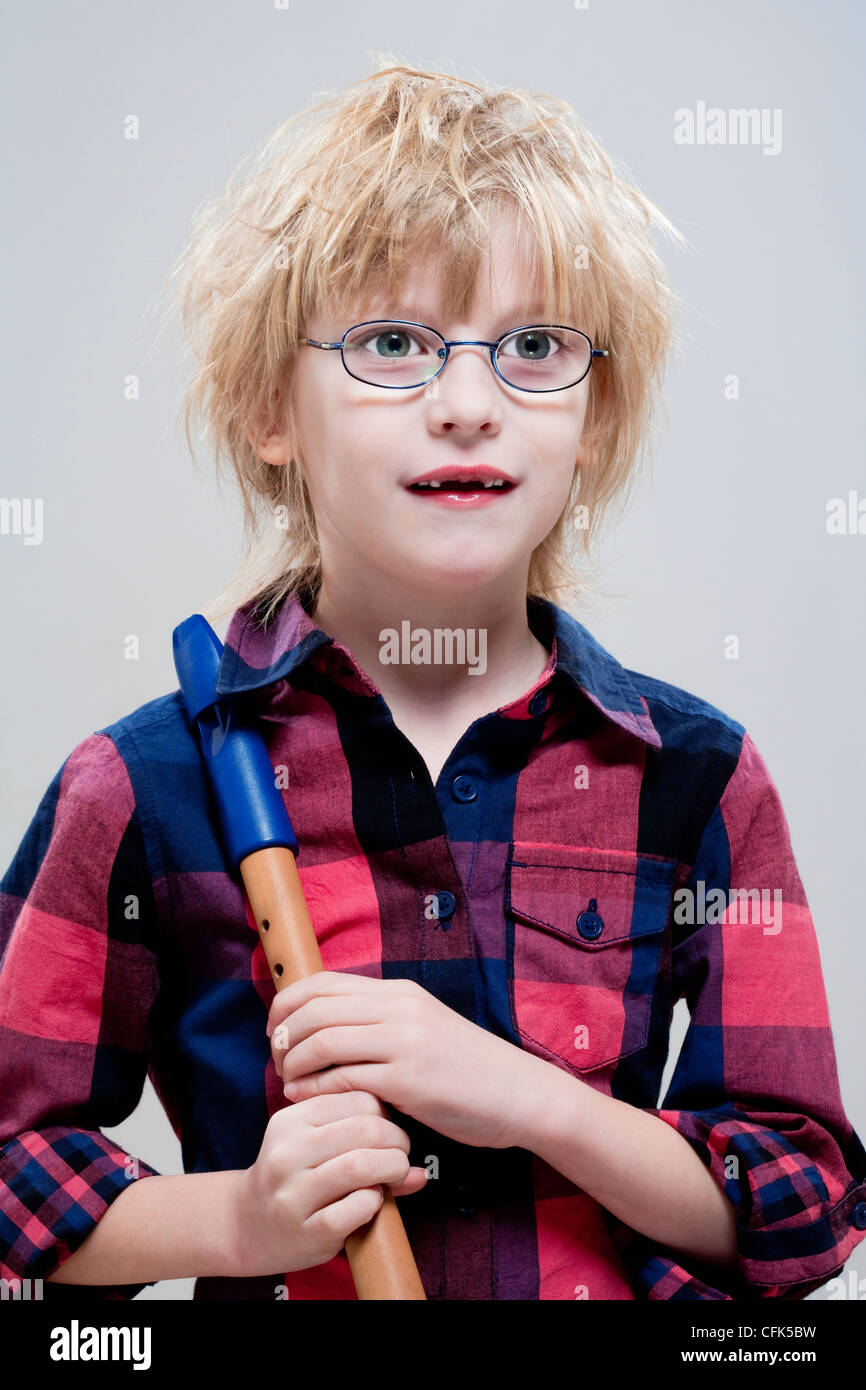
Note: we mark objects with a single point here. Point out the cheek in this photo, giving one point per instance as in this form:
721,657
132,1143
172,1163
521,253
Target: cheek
555,478
554,499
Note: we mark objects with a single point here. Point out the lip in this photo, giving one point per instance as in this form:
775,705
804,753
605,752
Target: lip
463,473
462,501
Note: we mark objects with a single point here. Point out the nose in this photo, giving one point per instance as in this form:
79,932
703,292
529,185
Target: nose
459,373
466,393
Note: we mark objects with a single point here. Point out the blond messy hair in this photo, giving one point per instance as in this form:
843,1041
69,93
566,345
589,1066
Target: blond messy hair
351,192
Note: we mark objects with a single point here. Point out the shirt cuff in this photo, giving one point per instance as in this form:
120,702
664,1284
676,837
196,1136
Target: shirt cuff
797,1221
55,1185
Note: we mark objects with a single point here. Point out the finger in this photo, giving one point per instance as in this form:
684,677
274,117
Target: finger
351,1132
323,982
416,1179
336,1080
321,1013
329,1106
335,1046
352,1169
352,1211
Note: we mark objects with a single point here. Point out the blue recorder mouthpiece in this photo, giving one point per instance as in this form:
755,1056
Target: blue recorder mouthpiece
251,806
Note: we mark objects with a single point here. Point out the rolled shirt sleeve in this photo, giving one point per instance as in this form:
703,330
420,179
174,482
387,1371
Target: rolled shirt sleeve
755,1090
78,977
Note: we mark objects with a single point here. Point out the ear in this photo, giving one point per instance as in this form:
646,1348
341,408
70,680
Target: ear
271,446
271,437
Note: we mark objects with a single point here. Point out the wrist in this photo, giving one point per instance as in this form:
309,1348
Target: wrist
554,1105
211,1215
232,1245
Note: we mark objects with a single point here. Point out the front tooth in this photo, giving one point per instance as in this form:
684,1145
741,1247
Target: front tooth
435,483
489,484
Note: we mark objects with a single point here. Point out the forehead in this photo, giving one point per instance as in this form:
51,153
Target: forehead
507,286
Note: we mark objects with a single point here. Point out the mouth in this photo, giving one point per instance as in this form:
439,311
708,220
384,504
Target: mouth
462,494
462,487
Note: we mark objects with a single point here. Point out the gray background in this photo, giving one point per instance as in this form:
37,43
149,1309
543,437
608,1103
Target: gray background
727,536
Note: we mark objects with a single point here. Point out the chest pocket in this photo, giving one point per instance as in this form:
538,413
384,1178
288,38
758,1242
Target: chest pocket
586,929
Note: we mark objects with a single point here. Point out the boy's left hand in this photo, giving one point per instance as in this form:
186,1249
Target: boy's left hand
395,1039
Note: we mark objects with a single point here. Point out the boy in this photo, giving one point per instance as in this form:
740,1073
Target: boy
509,874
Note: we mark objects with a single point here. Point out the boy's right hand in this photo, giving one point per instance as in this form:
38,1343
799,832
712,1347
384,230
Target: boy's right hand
318,1177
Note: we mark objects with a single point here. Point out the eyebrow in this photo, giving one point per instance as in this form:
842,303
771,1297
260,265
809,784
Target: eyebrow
517,316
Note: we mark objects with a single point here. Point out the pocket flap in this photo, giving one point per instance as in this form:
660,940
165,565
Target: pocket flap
555,887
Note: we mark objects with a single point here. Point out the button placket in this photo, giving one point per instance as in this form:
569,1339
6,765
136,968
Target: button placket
466,1201
446,903
464,791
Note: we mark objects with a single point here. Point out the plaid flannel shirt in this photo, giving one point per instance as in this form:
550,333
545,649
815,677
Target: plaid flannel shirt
553,850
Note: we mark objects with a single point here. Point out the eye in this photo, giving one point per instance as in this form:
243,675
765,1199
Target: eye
390,343
533,344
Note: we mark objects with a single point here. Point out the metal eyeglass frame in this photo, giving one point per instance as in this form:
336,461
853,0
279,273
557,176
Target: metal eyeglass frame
461,342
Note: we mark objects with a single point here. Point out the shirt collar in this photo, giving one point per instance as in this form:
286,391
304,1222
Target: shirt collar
255,656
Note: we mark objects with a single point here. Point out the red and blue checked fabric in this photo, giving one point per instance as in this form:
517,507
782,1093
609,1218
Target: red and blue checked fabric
597,849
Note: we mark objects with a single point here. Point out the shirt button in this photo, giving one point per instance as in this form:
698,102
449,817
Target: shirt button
858,1215
589,924
447,904
463,789
538,703
466,1201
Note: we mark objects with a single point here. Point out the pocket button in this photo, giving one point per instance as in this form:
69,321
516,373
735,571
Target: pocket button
589,923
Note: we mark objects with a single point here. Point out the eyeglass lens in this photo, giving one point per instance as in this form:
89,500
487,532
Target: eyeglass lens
534,359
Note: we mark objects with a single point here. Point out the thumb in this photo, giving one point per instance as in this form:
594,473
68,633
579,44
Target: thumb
416,1178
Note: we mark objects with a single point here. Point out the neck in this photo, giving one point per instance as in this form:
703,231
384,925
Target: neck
486,650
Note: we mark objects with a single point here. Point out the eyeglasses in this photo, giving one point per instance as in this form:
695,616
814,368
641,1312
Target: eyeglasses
539,357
